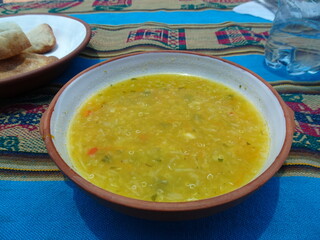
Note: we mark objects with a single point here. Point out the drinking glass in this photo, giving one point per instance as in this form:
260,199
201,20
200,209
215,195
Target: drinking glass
293,47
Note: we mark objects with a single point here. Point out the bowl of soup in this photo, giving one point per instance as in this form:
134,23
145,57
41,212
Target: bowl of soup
168,135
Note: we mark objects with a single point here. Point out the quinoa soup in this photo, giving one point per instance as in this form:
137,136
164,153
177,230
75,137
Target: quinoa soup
168,138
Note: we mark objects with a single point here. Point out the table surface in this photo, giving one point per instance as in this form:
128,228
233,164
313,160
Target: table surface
38,202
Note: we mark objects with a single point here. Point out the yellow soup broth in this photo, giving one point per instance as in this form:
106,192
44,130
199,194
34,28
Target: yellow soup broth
168,138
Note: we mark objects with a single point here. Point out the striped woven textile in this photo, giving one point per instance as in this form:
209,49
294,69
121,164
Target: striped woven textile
23,155
38,202
224,39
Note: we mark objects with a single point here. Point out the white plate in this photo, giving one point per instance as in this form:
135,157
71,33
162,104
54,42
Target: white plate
72,35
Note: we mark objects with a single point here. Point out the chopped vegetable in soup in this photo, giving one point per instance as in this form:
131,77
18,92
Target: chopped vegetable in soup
168,138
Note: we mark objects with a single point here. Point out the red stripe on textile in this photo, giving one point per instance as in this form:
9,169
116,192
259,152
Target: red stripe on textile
182,42
310,129
221,33
302,107
224,41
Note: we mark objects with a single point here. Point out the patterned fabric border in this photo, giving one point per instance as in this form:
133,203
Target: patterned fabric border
83,6
23,156
219,39
304,100
301,163
27,175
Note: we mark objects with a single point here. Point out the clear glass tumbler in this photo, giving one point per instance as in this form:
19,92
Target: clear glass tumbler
293,47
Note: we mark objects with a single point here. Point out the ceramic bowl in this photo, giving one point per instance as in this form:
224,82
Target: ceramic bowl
72,35
279,117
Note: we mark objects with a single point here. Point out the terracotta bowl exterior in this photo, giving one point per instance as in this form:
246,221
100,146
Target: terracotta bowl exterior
54,124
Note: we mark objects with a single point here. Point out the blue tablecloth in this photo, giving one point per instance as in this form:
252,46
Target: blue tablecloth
286,207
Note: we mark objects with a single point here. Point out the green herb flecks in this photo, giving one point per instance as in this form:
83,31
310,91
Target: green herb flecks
106,158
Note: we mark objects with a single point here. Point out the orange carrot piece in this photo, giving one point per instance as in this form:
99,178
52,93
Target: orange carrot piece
92,151
87,113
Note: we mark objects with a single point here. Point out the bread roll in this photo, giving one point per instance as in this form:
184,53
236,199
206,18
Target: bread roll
41,38
12,40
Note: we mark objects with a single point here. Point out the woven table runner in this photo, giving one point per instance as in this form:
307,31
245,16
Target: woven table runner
23,156
223,39
85,6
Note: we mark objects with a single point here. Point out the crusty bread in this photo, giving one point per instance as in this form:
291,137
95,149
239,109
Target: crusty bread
12,40
22,63
42,39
